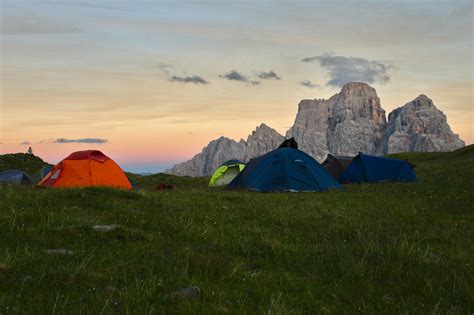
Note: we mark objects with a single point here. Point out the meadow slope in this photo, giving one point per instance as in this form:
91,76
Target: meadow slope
372,248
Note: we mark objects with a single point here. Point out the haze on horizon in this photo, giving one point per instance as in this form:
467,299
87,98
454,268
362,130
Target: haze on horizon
151,83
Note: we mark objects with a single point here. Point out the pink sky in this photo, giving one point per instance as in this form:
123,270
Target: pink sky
155,80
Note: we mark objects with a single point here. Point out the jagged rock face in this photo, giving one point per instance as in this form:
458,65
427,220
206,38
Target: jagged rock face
418,126
214,154
349,122
261,141
356,121
311,127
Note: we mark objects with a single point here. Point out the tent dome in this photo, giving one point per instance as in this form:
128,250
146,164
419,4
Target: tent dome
16,177
86,168
284,169
373,169
226,172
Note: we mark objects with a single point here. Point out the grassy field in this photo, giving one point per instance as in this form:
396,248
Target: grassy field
373,248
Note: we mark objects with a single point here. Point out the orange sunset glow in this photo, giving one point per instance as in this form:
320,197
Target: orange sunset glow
151,83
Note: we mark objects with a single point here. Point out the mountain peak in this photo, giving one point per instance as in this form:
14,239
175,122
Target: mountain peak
356,85
264,129
263,126
419,126
423,97
358,89
422,101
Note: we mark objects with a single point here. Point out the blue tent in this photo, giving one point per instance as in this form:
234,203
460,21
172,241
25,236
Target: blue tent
284,169
16,177
372,169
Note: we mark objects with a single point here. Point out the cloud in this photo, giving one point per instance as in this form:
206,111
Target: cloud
309,84
169,71
269,75
25,143
233,75
342,69
310,59
195,79
83,140
166,68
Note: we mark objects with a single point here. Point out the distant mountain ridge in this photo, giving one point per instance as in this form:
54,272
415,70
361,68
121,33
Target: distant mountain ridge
262,140
349,122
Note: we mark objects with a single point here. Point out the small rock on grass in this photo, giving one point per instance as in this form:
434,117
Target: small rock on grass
3,268
105,228
191,293
61,251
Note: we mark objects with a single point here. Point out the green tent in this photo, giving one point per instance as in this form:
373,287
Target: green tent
225,173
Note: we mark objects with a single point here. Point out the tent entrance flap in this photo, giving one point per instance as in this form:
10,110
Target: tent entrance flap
228,176
226,172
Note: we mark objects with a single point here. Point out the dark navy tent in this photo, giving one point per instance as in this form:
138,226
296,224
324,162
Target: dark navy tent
16,177
372,169
284,169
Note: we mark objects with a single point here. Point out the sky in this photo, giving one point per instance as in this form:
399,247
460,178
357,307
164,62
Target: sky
150,83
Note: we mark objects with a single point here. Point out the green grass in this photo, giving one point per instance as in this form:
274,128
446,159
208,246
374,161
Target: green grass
373,248
151,182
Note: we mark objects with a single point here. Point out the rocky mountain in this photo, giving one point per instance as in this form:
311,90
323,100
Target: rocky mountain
349,122
215,153
418,126
261,141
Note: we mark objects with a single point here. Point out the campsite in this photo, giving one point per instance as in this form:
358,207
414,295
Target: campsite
391,247
236,157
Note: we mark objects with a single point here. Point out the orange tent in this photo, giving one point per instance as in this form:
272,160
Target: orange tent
86,168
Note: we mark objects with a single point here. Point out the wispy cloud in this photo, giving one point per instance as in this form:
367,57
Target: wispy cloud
342,69
166,68
268,75
169,71
25,143
195,79
309,84
234,75
83,140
